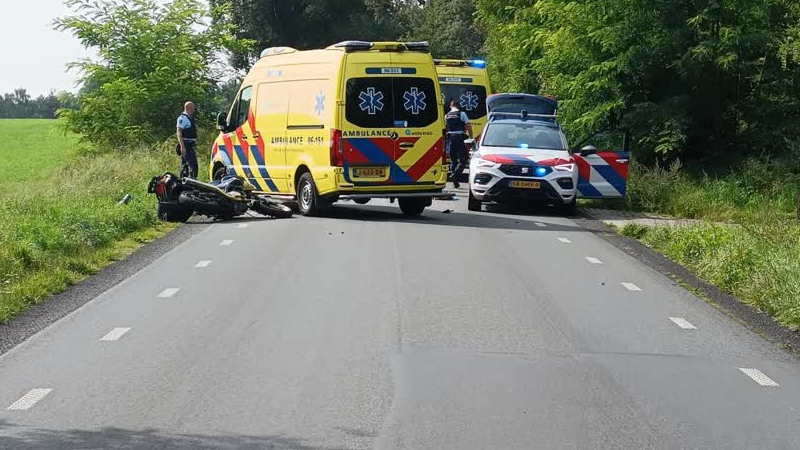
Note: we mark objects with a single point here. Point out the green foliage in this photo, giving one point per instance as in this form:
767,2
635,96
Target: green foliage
306,24
695,79
152,59
20,105
450,27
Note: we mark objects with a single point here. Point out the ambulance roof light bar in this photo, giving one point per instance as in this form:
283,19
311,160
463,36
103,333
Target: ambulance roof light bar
476,63
277,51
355,46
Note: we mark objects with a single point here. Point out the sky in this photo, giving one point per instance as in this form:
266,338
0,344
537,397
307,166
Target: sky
35,55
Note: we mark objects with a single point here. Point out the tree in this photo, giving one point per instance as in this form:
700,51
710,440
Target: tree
701,79
449,26
306,24
151,60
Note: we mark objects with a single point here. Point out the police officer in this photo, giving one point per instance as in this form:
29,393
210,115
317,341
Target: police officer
187,140
458,129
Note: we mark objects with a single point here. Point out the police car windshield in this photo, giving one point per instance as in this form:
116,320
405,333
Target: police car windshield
523,135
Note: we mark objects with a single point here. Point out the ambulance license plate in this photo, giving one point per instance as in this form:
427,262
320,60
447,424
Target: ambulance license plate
525,184
369,172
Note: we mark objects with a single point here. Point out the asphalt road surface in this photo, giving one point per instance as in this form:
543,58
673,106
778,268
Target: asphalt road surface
369,330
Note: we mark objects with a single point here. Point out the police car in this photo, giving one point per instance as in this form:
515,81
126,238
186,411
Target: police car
523,157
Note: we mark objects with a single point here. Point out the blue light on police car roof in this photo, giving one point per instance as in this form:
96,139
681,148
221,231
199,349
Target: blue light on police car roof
541,171
479,63
523,145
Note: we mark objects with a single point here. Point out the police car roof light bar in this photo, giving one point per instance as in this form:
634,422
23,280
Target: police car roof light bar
523,114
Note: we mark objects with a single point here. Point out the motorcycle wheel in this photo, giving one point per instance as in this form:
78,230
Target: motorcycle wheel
275,210
204,203
173,212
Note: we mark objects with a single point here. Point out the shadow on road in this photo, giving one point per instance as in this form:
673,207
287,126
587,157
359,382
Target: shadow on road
120,438
438,218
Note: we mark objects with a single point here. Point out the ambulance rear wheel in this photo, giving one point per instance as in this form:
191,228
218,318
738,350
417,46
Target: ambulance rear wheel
219,173
309,203
412,206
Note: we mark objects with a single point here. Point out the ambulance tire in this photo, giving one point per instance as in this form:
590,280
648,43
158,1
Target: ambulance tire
412,206
309,203
219,173
473,204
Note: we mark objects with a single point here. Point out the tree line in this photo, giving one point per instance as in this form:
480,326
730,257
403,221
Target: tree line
21,105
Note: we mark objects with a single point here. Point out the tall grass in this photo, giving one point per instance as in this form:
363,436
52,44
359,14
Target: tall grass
749,245
68,225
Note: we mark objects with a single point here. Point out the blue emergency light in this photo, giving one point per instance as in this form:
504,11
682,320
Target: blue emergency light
523,145
478,63
541,171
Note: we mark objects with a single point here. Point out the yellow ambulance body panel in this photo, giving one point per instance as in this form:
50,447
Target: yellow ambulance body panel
363,119
466,82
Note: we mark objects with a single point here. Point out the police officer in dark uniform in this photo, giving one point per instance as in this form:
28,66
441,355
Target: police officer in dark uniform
187,141
458,130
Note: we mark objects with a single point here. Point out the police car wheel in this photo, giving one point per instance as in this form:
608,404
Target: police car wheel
569,209
308,201
473,204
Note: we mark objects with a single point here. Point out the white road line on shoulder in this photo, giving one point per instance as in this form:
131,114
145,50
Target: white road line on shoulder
540,225
631,287
565,240
203,264
226,242
168,292
683,323
29,399
242,225
593,260
759,377
115,334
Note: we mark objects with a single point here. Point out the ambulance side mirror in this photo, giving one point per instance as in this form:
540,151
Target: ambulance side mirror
222,122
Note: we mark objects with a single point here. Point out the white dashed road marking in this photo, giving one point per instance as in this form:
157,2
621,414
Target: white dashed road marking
29,399
758,377
226,242
540,225
631,287
115,334
565,240
169,292
203,264
243,225
683,323
593,260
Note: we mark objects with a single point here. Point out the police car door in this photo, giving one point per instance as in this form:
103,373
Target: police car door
602,174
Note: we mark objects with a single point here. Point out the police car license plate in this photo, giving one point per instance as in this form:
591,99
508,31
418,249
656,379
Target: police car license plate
369,172
525,184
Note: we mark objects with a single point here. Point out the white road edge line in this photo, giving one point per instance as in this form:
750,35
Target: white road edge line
226,242
168,292
203,264
242,225
593,260
565,241
115,334
759,377
29,399
540,224
683,323
631,287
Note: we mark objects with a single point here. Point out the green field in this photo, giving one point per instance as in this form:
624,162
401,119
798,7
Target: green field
60,222
32,148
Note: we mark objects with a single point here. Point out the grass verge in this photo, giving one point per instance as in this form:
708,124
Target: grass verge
749,245
67,225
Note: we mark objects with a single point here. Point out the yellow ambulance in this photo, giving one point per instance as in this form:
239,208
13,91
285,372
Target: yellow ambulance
355,121
466,82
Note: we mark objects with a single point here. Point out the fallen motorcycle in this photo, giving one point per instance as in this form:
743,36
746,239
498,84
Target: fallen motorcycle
180,198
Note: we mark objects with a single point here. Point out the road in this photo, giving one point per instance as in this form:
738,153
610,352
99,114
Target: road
369,330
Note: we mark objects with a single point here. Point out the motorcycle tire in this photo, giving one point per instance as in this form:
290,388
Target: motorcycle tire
272,209
204,203
173,212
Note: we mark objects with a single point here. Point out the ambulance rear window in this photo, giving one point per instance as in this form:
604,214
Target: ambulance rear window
471,97
391,102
